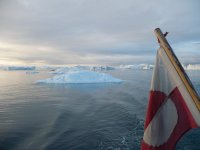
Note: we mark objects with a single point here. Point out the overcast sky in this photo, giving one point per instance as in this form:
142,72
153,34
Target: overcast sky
107,32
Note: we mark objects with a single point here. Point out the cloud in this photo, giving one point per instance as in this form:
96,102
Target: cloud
91,31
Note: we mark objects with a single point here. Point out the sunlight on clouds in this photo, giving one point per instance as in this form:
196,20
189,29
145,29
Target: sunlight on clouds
5,45
7,61
16,54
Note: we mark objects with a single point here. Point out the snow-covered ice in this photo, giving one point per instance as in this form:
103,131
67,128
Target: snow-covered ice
81,76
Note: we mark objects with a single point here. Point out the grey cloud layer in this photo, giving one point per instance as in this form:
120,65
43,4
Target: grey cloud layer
91,31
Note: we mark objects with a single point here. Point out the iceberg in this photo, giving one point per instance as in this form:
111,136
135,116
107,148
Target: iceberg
137,66
12,68
101,68
61,70
193,67
3,68
79,67
47,68
81,76
32,72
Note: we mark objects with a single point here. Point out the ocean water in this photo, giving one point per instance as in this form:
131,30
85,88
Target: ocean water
78,116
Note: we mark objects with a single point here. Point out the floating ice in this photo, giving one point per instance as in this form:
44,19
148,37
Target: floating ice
32,72
81,76
192,67
11,68
3,68
61,70
101,68
47,68
137,66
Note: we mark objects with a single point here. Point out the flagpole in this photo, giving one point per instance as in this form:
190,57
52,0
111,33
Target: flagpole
177,65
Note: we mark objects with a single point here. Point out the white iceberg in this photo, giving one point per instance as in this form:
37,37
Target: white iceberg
61,70
3,68
47,68
32,72
101,68
81,76
137,66
79,67
193,67
12,68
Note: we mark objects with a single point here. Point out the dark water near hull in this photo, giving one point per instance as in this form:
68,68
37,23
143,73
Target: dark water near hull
78,116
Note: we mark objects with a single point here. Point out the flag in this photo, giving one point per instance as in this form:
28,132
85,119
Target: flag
172,110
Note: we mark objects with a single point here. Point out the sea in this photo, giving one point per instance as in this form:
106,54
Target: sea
107,116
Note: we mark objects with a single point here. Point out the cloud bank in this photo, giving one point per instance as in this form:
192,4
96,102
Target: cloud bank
96,32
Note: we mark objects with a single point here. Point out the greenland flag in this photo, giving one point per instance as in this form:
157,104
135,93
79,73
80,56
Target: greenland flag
171,109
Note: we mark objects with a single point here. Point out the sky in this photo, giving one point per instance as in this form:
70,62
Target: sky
101,32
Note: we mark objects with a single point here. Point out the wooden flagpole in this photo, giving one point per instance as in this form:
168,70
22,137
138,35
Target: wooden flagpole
177,65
